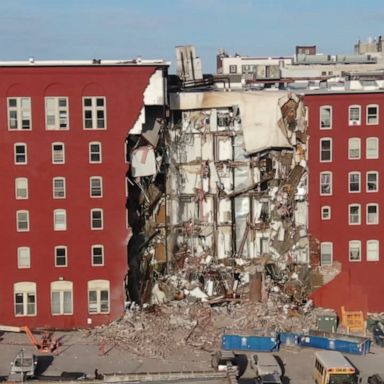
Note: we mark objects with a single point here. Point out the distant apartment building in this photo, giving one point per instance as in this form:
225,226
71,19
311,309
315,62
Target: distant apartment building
306,63
63,171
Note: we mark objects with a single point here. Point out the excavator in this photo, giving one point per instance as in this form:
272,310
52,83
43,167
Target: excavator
47,343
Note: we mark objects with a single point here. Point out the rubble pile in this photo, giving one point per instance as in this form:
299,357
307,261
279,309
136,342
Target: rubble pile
158,331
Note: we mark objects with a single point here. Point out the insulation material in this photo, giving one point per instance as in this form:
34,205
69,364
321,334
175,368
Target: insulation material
242,177
192,148
224,211
143,161
239,148
242,217
190,178
224,149
301,213
224,241
206,148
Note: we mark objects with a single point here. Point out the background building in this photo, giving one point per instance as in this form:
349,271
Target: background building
63,174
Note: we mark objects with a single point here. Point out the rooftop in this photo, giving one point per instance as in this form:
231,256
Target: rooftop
31,62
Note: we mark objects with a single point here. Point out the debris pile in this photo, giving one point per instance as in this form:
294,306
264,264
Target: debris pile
159,331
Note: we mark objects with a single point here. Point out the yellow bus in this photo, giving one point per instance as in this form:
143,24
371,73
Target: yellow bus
331,367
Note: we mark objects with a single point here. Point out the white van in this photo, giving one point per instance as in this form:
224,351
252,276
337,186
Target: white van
266,367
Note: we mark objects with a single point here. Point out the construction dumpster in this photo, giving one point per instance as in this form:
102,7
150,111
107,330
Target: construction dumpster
231,342
289,338
337,342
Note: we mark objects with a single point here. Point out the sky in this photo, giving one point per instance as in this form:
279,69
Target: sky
126,29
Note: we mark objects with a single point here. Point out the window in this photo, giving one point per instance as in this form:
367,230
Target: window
372,114
21,188
96,186
59,220
325,117
20,153
58,155
95,152
60,256
98,296
94,112
325,150
372,214
22,221
23,257
325,213
354,115
372,250
354,148
58,187
372,147
326,250
97,255
19,113
325,183
25,298
354,214
372,181
96,219
233,69
61,298
56,113
355,250
354,181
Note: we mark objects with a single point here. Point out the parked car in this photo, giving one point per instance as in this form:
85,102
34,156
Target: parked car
375,379
267,368
24,365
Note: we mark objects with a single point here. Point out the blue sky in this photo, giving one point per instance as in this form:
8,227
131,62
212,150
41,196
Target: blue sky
117,29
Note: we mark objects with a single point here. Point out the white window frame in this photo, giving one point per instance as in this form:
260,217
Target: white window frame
323,245
325,173
61,289
373,247
18,221
26,289
323,140
58,192
92,122
21,188
56,255
321,123
95,153
23,257
23,114
97,305
351,119
372,151
350,215
353,246
376,182
368,116
326,212
59,219
59,113
350,175
372,218
58,157
93,256
354,145
92,188
94,210
24,154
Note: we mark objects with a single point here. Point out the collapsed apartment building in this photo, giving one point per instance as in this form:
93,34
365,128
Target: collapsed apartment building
217,196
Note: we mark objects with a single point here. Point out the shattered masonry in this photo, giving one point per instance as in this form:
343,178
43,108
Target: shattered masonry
217,199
